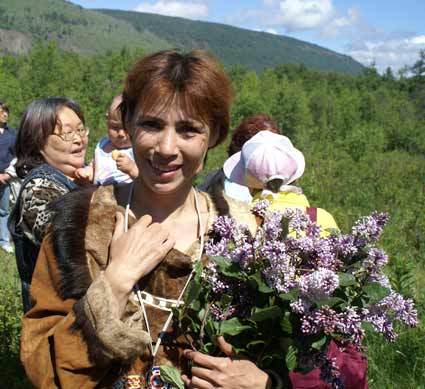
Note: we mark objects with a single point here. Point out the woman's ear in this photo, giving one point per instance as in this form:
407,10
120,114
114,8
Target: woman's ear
213,137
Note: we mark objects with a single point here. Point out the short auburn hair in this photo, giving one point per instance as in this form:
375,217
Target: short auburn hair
248,128
195,82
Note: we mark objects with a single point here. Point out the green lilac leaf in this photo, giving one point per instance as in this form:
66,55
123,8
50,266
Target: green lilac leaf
171,375
259,282
261,314
292,295
230,327
286,324
228,268
319,343
330,302
375,292
192,292
346,279
291,358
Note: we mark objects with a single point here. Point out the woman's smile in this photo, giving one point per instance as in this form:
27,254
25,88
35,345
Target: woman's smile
165,171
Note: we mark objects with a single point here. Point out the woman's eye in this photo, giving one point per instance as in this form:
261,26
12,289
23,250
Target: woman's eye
150,125
188,131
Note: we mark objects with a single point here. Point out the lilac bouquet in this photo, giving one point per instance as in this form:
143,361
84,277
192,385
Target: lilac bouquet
281,296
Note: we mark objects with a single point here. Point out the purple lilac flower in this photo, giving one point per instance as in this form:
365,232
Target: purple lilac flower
272,225
217,249
345,244
280,275
298,220
325,252
394,305
319,284
381,323
303,245
314,230
224,226
220,314
369,228
244,254
403,309
274,251
260,207
329,371
322,319
329,321
351,324
213,278
375,260
300,305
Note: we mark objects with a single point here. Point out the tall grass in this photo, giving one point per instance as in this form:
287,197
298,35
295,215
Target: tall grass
12,374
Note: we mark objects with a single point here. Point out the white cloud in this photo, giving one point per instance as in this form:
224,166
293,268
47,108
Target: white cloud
395,53
190,10
271,31
341,23
296,15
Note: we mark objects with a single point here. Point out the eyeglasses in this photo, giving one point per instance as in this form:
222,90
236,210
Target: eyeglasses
69,136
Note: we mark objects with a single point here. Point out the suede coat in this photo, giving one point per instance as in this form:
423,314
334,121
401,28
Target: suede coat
73,336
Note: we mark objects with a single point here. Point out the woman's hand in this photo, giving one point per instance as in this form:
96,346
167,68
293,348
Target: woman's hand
134,254
127,165
224,372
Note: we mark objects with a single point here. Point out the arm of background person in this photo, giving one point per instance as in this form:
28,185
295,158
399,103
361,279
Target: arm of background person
11,169
35,213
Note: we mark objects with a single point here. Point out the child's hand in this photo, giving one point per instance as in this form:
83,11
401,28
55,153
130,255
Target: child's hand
84,175
127,165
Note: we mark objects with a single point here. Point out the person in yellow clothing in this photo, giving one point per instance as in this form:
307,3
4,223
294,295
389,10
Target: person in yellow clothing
268,165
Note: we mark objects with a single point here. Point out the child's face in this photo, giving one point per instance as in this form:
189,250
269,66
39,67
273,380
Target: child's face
117,135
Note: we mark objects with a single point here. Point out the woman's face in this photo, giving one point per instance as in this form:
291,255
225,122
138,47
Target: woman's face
169,149
66,156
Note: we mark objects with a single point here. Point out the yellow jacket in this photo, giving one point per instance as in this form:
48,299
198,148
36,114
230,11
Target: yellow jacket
283,200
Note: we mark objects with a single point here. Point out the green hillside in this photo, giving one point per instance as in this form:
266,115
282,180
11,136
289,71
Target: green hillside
256,50
73,27
84,31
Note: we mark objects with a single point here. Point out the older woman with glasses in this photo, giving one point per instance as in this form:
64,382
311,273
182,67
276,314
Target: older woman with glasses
50,147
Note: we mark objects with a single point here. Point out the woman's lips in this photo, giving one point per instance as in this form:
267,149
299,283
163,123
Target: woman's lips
78,152
164,171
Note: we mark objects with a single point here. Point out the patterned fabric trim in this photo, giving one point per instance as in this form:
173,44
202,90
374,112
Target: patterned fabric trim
159,302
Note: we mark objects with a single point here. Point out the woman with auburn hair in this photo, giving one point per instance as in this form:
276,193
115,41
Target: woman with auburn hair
85,328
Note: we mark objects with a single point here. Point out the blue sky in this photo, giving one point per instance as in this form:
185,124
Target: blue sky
386,32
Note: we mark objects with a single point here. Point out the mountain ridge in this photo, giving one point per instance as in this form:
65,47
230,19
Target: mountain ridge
95,31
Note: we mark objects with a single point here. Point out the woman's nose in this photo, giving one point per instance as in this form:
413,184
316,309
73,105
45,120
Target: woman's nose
168,142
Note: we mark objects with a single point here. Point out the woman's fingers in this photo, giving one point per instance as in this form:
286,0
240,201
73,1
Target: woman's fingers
205,374
204,360
196,383
119,226
224,346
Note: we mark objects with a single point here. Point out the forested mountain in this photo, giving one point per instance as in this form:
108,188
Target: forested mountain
24,22
256,50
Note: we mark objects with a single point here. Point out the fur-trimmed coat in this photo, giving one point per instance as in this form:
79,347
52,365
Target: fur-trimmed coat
73,336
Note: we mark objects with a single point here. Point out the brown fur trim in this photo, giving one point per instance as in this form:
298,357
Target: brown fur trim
111,338
68,231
